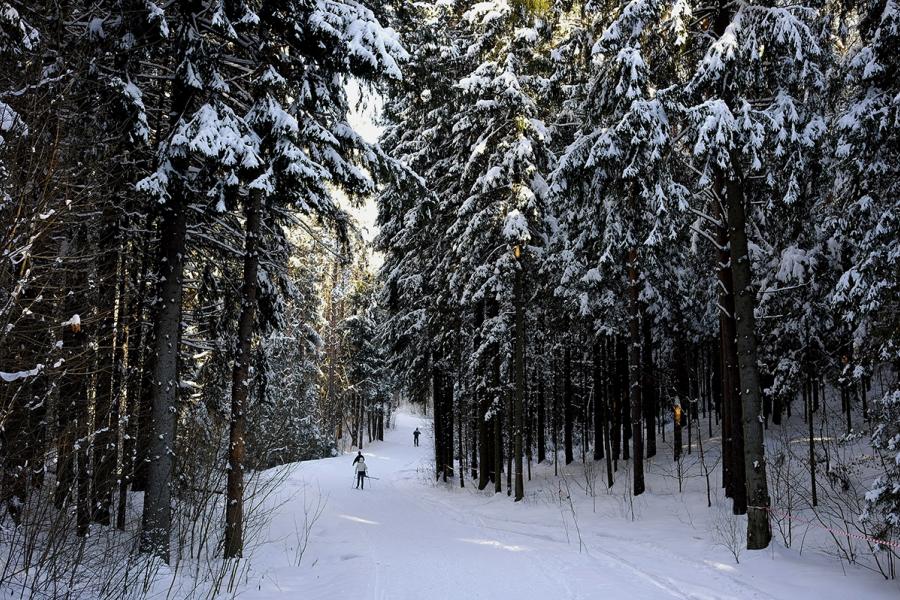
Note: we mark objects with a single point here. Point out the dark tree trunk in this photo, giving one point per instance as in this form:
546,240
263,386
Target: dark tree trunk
634,372
766,382
597,376
510,428
847,398
437,387
624,396
777,409
585,405
816,388
74,389
519,374
118,417
474,440
143,400
607,361
612,407
554,414
812,401
482,404
758,531
106,427
648,389
682,392
240,375
732,412
485,447
541,419
134,378
461,438
496,405
156,524
863,395
529,426
691,399
707,389
498,448
447,426
568,423
715,357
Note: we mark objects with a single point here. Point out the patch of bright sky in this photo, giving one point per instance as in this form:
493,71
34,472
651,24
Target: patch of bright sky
365,106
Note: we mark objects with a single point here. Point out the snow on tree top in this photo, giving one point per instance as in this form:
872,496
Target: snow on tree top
363,36
485,12
515,227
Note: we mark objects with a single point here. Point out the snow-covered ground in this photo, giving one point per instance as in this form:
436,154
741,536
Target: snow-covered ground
405,537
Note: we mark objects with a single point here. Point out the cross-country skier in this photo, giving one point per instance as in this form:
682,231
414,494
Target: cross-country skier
360,462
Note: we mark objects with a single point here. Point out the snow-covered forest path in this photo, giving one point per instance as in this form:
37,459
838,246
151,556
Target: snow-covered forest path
405,538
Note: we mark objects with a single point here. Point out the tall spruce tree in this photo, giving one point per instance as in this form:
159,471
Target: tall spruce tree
750,110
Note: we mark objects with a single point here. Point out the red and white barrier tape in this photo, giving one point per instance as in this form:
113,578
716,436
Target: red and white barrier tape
848,534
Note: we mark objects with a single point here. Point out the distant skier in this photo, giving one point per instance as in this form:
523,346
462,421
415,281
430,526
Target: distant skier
358,458
360,462
416,435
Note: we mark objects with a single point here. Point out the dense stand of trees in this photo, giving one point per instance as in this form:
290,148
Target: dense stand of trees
358,398
642,215
168,220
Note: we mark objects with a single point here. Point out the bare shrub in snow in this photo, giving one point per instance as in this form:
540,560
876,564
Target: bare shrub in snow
783,473
313,507
728,531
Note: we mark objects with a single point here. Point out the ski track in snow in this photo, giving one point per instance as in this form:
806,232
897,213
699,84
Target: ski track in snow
404,537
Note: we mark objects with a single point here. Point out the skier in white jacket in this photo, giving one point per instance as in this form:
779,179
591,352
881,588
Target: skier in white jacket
360,472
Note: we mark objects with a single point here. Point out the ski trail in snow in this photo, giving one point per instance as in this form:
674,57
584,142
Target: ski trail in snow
405,537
